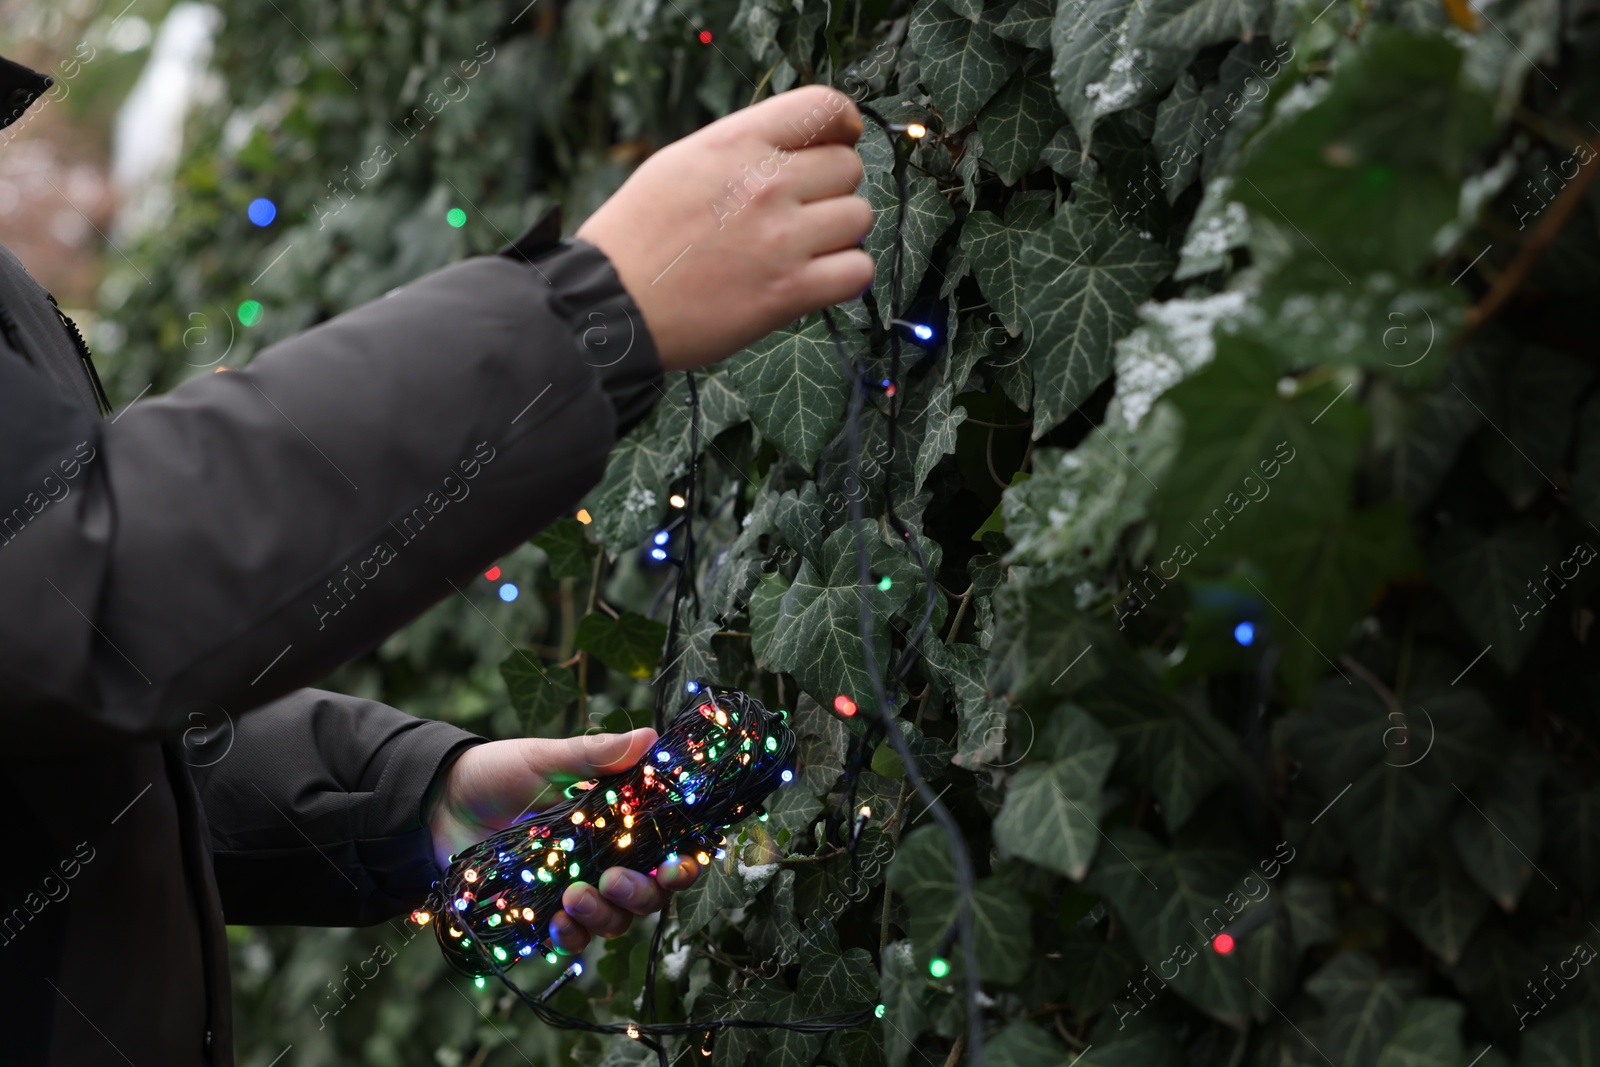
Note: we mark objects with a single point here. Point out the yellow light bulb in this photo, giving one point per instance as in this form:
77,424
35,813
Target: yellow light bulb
703,858
677,501
577,818
600,822
633,1031
527,913
627,820
916,131
420,917
625,840
583,517
866,812
470,875
553,860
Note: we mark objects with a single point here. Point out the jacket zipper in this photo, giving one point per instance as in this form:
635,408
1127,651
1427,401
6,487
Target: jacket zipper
83,354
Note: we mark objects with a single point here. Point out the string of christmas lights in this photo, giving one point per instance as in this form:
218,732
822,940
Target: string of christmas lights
717,762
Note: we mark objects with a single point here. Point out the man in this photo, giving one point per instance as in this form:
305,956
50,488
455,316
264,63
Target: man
210,552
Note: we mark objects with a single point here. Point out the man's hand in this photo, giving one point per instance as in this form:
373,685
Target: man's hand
490,786
747,224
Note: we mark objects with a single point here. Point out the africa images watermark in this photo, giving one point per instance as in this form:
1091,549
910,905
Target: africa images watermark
51,490
353,577
1581,555
382,154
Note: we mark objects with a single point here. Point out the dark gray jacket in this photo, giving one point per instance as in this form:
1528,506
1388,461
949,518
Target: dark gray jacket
170,579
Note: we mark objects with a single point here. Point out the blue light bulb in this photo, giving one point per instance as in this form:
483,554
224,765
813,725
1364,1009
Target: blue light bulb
692,686
787,776
663,756
658,554
662,537
508,592
1245,633
577,967
689,798
924,333
262,211
527,876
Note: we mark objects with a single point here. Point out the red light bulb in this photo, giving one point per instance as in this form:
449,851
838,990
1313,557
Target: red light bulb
1223,943
705,36
493,574
844,705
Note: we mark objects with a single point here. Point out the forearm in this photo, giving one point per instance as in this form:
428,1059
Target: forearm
316,812
247,533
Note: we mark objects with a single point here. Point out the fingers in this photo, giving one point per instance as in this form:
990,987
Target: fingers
636,892
835,225
567,934
821,173
834,278
678,874
809,115
583,902
578,758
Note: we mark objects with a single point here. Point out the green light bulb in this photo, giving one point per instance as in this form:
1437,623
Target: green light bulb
878,1011
478,981
938,966
884,583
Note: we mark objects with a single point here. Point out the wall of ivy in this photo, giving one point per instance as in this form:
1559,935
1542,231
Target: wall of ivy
1259,458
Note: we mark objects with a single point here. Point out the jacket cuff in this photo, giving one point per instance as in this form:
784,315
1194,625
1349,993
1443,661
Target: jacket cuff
397,846
606,324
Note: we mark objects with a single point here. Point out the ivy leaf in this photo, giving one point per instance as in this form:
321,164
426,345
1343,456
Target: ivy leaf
1428,1035
1487,577
1027,22
1361,1006
1438,902
1571,1039
1197,23
928,216
711,893
1496,834
980,720
818,633
1095,968
627,502
1397,798
969,9
1051,812
766,607
1064,155
1018,123
835,982
795,388
939,425
569,551
995,250
1365,177
539,691
900,991
1575,830
630,643
962,63
1143,1042
1101,63
1532,421
773,932
1165,896
1241,436
1043,647
1492,973
924,874
1178,140
1160,741
1025,1044
1085,278
1313,913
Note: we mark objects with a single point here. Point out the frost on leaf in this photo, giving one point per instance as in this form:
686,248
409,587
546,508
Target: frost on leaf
1174,342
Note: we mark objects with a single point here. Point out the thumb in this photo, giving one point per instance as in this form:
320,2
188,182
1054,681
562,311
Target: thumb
577,758
807,116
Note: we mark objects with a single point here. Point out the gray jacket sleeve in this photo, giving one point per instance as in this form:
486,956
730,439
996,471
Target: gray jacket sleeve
240,537
314,805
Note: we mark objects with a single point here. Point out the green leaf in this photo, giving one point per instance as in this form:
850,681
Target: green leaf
963,64
939,425
1095,969
1102,64
1069,518
995,250
835,982
712,892
628,501
1051,811
818,633
1162,743
1496,835
1027,22
1438,902
980,719
1196,23
1575,830
901,984
541,692
1364,178
1361,1006
1018,123
1143,1042
765,609
924,874
1171,901
1492,973
1178,140
1025,1045
968,9
1388,775
1428,1035
1571,1039
1491,580
795,389
1241,436
773,931
1531,421
630,643
571,555
928,216
1044,648
1085,278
